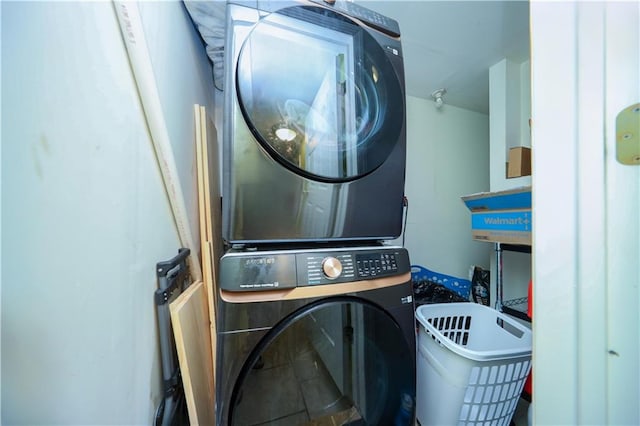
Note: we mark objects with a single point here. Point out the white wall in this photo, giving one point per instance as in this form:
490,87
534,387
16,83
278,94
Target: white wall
510,109
85,216
447,157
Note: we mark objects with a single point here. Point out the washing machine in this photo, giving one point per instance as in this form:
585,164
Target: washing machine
316,336
314,123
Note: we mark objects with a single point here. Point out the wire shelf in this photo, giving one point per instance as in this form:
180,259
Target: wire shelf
517,307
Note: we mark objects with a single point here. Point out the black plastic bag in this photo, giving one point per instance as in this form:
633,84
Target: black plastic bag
425,291
480,283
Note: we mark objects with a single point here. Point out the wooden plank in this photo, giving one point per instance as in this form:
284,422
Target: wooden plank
200,182
202,199
204,209
206,200
212,218
214,211
205,170
190,321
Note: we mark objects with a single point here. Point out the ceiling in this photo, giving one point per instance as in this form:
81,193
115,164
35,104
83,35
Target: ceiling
452,44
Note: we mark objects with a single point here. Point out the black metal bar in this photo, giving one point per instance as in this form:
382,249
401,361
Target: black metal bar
515,313
163,268
516,247
173,278
172,275
498,247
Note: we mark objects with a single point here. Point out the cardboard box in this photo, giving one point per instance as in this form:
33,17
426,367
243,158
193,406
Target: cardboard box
501,217
519,162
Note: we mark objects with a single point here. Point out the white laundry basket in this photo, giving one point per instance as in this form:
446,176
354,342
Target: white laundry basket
472,365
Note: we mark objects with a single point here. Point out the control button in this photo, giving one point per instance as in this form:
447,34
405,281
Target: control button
331,267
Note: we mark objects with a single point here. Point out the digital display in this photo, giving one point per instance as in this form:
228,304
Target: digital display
267,272
260,261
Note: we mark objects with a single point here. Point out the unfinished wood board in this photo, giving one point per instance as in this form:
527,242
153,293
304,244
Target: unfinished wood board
205,171
211,171
207,233
190,321
205,198
202,200
201,187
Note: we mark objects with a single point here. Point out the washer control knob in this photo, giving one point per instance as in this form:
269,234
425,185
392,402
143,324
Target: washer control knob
331,267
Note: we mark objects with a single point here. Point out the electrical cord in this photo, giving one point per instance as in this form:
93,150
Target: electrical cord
405,204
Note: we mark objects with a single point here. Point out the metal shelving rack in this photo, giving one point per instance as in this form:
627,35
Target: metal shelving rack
512,307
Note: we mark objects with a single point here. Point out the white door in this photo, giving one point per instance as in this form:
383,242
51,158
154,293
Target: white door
586,260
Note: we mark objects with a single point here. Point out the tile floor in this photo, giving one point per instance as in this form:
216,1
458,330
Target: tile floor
307,396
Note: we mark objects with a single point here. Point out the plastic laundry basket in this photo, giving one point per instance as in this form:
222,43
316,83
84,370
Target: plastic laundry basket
472,365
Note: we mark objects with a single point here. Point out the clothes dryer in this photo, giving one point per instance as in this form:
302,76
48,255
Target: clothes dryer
314,123
310,337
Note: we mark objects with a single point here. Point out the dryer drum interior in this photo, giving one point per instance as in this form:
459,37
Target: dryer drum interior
326,364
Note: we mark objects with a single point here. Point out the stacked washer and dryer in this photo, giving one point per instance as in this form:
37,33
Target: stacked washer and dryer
315,314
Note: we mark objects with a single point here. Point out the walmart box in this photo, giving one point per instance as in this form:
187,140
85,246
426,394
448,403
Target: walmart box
501,217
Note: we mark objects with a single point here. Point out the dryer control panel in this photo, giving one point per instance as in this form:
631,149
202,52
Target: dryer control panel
282,269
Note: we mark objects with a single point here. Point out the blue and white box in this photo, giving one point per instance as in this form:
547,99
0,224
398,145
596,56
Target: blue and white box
502,217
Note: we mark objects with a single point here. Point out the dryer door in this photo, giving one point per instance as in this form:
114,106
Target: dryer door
320,94
338,361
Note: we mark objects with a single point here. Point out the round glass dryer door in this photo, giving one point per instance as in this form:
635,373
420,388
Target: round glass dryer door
319,93
338,361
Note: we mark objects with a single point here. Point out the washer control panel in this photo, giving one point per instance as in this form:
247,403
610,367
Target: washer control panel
354,265
325,268
376,264
286,269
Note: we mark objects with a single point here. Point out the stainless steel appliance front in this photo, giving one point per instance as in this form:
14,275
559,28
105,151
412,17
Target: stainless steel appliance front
318,336
314,137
